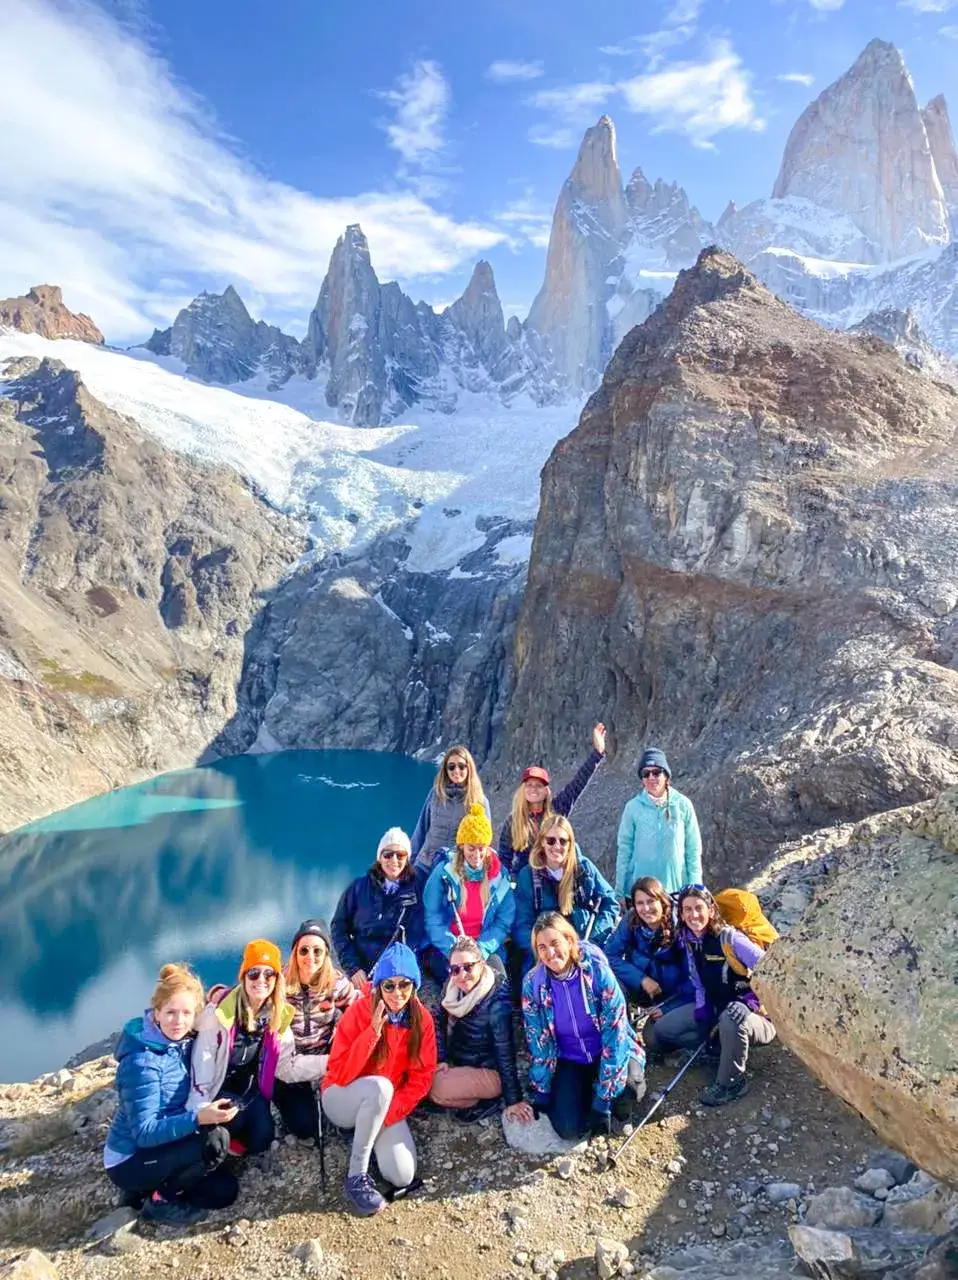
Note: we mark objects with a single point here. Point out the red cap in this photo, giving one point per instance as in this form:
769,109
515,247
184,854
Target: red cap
535,773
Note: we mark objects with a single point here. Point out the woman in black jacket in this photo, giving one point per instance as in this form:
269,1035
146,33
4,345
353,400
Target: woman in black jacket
477,1052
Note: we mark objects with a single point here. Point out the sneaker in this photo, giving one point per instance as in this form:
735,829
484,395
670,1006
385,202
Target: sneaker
362,1196
717,1095
478,1111
237,1148
172,1213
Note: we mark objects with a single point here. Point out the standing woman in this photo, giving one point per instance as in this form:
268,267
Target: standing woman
469,894
319,994
456,790
643,952
560,878
720,961
373,907
244,1042
157,1149
582,1049
658,832
476,1047
380,1068
533,802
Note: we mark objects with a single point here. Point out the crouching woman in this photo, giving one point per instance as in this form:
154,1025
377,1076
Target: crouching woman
476,1047
380,1068
584,1056
157,1149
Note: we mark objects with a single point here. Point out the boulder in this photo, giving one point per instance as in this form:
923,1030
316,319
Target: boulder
873,1180
922,1205
840,1208
311,1254
609,1257
865,994
816,1245
32,1265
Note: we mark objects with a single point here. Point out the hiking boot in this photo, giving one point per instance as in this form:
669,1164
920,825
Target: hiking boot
717,1095
172,1213
362,1196
478,1111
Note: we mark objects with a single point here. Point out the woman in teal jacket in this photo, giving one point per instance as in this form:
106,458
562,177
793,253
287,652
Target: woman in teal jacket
658,832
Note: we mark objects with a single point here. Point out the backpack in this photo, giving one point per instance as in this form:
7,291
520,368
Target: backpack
743,911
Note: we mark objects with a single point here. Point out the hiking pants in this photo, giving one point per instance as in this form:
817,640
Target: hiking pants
298,1104
463,1087
362,1106
676,1029
253,1126
570,1099
738,1027
188,1168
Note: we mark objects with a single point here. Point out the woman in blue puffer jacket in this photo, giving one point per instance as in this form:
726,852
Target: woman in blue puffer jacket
643,952
559,878
157,1150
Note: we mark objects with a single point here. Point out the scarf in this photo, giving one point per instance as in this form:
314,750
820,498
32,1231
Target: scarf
390,886
475,874
458,1005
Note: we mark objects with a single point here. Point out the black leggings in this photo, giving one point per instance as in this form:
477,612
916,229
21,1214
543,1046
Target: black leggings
570,1098
188,1168
298,1104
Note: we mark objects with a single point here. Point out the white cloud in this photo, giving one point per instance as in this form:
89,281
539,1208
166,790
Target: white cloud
796,77
570,109
928,6
950,33
527,219
504,70
117,186
826,5
421,100
678,26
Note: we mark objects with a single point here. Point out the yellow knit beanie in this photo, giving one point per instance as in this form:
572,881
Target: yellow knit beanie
475,827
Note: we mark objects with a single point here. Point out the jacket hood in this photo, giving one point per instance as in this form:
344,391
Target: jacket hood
143,1033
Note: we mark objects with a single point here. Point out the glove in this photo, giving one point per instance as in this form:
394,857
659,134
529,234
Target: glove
600,1123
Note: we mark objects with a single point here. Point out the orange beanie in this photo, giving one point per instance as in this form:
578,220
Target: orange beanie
260,952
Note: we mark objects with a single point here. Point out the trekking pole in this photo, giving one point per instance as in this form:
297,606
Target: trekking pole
659,1099
322,1141
593,916
455,909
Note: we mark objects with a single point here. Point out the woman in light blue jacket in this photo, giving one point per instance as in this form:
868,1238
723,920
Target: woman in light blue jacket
658,832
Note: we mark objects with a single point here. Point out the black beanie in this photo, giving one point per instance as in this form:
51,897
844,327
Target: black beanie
313,928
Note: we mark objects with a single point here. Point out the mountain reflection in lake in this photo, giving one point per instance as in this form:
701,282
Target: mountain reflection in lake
187,866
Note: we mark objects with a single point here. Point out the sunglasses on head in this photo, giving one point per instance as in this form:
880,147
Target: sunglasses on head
254,975
394,855
306,950
652,773
556,840
466,968
400,985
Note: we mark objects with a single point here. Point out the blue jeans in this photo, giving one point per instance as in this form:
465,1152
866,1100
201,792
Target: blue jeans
188,1168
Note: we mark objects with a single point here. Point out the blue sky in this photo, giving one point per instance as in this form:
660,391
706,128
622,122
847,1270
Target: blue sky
151,148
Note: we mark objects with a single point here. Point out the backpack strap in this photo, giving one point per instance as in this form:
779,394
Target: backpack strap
732,960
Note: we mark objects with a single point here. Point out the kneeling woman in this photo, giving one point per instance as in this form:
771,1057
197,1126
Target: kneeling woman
244,1043
643,951
583,1052
720,961
319,995
477,1051
157,1148
560,878
380,1068
469,895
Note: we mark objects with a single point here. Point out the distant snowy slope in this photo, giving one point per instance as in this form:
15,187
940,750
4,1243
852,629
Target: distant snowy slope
442,471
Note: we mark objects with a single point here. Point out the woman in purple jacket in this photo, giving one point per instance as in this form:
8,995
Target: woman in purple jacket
720,961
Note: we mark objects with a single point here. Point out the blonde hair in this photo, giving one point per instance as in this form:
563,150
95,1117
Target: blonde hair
458,869
522,830
552,920
537,860
172,979
474,792
277,1002
325,980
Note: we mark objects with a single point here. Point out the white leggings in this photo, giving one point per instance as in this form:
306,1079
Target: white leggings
362,1106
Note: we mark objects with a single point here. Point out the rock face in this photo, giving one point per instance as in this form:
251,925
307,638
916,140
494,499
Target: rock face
729,561
42,311
861,149
219,341
942,143
863,987
128,578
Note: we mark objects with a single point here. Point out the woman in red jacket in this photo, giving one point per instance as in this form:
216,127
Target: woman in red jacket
380,1068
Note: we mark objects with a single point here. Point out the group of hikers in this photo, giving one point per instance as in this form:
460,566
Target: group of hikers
338,1033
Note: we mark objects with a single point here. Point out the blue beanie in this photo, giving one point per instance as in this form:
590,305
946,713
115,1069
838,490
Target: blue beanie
653,758
397,961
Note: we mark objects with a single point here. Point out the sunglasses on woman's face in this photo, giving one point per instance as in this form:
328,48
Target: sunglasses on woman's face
562,841
467,968
400,985
268,975
457,766
393,855
652,773
307,950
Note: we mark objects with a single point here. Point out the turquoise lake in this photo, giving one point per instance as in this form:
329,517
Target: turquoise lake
187,866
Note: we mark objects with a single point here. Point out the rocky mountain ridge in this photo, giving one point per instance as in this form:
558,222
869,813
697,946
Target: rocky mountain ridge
42,311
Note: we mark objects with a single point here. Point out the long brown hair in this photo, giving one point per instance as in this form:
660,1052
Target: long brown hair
474,793
522,830
417,1017
537,860
324,980
655,889
716,920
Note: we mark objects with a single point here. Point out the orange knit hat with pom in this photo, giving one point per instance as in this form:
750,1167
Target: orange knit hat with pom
475,827
261,952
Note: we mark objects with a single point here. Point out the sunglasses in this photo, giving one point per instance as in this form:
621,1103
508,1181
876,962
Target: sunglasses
400,985
307,950
394,855
556,840
254,975
652,773
467,968
453,767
